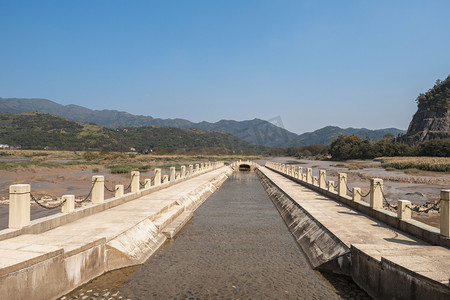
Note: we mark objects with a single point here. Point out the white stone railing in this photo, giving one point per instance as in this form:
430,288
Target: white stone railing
20,195
375,193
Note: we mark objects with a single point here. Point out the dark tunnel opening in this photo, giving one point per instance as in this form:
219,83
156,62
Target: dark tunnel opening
245,168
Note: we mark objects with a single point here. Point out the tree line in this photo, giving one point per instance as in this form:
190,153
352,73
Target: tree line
355,147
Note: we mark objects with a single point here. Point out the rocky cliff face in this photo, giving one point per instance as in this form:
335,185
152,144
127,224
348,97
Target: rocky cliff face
432,119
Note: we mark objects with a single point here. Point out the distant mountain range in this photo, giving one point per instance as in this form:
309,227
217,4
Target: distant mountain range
256,131
45,131
327,134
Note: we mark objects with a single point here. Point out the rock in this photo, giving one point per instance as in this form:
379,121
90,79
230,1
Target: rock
432,119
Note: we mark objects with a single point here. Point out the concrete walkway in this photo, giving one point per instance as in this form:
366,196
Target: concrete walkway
372,237
123,235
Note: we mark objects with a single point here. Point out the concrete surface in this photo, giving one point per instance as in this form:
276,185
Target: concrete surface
385,262
53,262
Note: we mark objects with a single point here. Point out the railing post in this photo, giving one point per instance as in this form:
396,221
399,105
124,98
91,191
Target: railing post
404,209
147,183
165,179
300,173
356,194
304,177
69,205
135,179
322,179
119,190
197,168
191,170
172,174
445,213
183,171
342,181
177,176
157,177
315,181
19,206
331,186
376,193
98,190
309,175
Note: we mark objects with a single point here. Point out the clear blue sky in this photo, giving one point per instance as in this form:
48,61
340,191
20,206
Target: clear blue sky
313,63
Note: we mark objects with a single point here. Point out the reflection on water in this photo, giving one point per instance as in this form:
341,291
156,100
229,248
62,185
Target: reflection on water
236,246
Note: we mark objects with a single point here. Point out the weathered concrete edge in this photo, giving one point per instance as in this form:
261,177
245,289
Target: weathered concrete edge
149,243
387,280
415,228
46,223
338,260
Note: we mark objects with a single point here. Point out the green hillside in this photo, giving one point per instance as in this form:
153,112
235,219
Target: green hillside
326,135
39,131
256,131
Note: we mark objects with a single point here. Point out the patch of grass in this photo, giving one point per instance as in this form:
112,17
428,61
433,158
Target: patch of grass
6,166
95,170
436,164
78,163
167,166
33,154
102,155
127,168
339,165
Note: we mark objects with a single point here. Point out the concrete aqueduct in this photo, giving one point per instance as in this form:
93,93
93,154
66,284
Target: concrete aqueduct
388,255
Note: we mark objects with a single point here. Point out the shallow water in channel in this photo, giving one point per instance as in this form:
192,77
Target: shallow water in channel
236,247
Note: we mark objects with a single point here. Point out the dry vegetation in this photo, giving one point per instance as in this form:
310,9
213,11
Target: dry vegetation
14,159
439,164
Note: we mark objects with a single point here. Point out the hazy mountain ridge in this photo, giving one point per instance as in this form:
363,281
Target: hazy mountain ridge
327,134
256,131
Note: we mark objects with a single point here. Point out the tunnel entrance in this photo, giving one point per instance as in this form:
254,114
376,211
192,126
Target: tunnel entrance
245,168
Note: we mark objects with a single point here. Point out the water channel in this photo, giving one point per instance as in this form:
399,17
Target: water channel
236,247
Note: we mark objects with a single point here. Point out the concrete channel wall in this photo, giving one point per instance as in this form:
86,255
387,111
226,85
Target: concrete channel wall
415,228
52,264
382,275
323,250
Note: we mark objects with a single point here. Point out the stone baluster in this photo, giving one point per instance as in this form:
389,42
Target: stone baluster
147,183
322,179
342,184
445,213
135,179
331,186
356,194
69,204
157,177
19,206
119,190
172,174
404,209
309,175
98,189
376,193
